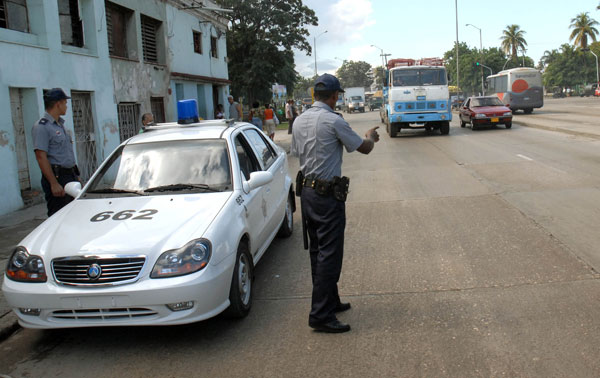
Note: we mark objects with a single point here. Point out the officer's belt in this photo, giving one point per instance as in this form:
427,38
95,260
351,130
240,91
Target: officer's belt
324,187
61,171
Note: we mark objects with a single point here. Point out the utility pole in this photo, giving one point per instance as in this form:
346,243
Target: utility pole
315,48
457,83
481,53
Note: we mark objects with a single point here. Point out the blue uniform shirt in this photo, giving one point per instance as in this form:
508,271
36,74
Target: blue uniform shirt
319,136
50,136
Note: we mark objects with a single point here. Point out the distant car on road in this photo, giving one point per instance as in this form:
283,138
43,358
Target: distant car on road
485,110
306,103
456,101
167,231
375,103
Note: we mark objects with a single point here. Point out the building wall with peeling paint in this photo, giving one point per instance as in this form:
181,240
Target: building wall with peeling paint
136,80
38,60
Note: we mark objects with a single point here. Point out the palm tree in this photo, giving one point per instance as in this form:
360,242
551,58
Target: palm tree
513,40
583,27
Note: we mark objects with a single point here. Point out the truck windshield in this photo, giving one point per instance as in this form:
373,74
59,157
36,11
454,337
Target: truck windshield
356,98
419,76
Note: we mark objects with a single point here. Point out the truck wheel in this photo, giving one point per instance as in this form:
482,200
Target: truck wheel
394,130
445,128
528,110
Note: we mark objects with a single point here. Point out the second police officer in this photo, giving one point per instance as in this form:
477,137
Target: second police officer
319,136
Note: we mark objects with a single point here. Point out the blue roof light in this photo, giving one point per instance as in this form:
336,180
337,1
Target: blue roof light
187,111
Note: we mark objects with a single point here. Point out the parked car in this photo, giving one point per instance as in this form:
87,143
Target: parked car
485,110
167,231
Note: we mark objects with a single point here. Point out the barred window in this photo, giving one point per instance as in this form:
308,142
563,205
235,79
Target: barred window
13,15
129,116
213,47
150,38
158,109
71,26
117,18
197,42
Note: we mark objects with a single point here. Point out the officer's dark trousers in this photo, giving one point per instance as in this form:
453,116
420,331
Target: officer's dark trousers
56,203
326,220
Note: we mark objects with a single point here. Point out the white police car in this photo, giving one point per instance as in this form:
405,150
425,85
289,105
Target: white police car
167,231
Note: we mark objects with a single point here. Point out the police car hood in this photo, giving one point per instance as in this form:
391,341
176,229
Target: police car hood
130,225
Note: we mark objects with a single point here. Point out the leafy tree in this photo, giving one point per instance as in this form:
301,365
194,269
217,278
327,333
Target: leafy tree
302,87
569,66
353,74
260,40
583,27
512,40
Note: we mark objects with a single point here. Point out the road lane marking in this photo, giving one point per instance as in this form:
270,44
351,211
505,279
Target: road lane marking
524,157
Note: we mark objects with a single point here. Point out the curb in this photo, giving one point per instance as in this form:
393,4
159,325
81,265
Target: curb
8,325
557,129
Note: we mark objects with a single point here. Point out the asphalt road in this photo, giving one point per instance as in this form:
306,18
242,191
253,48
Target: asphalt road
467,255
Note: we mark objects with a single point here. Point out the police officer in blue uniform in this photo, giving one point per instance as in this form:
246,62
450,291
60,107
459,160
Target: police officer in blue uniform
54,151
319,136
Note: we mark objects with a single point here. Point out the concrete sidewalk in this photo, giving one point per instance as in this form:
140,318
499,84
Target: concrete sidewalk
580,125
17,225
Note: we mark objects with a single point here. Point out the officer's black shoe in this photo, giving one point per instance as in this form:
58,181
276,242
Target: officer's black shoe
341,307
334,326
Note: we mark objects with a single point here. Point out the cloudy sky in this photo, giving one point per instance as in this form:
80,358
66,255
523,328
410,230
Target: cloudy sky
420,29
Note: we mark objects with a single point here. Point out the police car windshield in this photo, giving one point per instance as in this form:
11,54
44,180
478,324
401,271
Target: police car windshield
193,165
419,76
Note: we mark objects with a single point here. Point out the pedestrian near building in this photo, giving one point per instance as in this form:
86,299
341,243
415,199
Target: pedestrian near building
256,115
219,112
269,125
53,148
290,114
235,109
318,138
147,120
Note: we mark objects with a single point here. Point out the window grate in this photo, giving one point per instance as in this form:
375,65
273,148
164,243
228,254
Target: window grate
129,114
150,38
71,26
117,18
158,109
13,15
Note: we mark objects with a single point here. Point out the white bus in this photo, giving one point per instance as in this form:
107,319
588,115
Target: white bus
518,88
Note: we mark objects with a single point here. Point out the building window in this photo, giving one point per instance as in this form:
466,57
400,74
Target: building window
213,47
150,38
158,109
71,26
117,19
129,120
197,42
13,15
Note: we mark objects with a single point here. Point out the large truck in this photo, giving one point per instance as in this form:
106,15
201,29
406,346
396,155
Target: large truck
416,96
354,99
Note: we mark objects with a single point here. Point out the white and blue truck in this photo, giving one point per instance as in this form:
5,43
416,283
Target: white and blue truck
416,96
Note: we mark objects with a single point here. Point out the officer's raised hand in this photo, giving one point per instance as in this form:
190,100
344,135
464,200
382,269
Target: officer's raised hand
367,145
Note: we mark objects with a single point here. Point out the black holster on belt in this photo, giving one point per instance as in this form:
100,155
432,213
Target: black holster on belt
299,187
340,187
60,171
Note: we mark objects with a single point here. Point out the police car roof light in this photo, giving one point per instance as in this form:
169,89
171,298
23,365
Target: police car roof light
187,111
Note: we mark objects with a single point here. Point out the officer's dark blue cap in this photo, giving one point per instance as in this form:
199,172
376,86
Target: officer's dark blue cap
55,94
327,82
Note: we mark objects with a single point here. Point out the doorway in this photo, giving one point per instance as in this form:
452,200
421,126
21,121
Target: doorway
85,134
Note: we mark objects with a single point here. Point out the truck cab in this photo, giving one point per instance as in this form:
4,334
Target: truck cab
416,96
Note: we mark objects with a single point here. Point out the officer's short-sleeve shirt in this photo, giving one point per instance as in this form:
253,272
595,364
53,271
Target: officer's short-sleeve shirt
319,136
51,136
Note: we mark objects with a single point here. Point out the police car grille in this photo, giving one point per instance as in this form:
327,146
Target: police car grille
102,314
114,271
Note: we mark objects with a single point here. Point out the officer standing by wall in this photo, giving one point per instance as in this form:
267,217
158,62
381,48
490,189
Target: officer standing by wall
319,136
54,151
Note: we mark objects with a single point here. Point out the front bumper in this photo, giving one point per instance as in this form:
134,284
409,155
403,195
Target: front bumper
420,117
491,120
140,303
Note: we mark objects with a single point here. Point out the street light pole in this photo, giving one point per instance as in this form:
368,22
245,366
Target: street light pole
457,84
481,53
381,53
315,48
597,75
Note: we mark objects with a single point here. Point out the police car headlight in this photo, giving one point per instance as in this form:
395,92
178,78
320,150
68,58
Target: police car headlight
24,267
192,257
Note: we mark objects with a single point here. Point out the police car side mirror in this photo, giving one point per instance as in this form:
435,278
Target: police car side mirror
73,189
257,179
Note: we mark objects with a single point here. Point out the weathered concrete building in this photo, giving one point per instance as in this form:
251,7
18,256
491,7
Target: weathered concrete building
117,59
46,44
